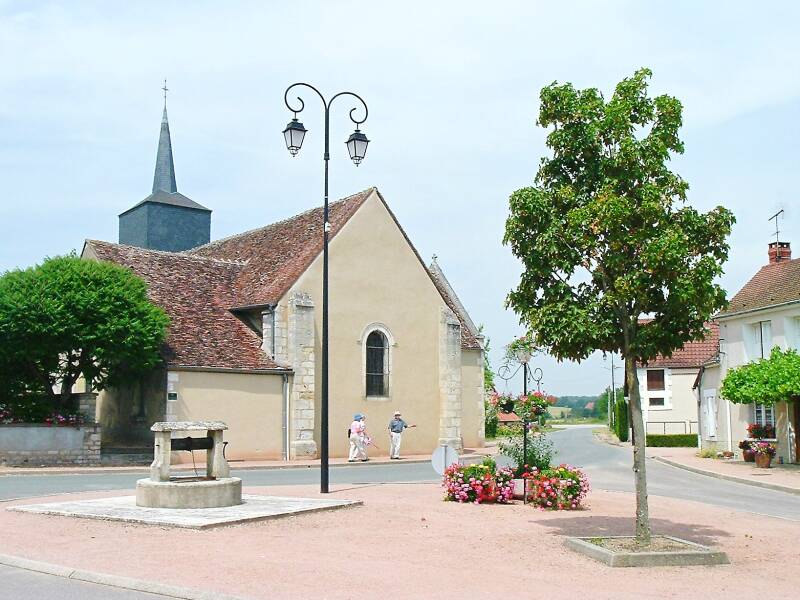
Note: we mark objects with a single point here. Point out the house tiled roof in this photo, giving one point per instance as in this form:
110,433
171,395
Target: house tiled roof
196,293
775,283
199,288
693,354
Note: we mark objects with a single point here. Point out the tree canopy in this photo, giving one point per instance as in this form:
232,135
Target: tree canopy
767,381
614,259
605,235
68,318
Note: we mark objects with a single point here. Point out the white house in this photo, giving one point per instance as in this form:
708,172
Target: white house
765,313
669,402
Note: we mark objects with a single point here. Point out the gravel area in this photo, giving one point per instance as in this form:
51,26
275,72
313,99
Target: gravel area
406,543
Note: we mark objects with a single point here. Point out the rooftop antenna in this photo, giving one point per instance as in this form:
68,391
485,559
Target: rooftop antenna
777,231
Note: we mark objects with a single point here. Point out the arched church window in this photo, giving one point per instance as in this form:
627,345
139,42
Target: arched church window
377,370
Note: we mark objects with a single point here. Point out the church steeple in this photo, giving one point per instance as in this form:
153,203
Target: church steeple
165,220
164,178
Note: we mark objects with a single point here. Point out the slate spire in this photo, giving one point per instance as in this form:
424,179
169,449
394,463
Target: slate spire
164,178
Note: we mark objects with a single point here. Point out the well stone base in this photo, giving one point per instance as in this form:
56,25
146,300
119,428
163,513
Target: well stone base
216,493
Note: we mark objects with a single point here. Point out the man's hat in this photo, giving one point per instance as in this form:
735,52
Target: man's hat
396,413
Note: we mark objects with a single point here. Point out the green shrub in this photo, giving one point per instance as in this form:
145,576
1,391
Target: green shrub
539,452
673,440
490,420
621,420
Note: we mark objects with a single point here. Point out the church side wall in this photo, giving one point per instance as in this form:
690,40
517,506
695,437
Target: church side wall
250,404
376,280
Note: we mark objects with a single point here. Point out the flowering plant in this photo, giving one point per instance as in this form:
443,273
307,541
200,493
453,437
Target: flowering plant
558,488
525,406
521,348
745,445
478,483
763,448
759,432
8,416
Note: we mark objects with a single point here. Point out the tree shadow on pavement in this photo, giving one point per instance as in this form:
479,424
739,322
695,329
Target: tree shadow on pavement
596,526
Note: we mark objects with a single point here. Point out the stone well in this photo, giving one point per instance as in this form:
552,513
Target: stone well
216,489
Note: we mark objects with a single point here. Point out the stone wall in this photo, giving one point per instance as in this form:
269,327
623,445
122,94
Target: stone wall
34,445
450,409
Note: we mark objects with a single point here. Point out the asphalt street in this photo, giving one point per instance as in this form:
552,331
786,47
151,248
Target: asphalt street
608,467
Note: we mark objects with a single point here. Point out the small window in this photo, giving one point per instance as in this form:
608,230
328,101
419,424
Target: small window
655,380
377,364
656,402
764,414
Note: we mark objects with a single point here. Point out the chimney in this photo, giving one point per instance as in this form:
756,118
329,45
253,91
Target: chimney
779,251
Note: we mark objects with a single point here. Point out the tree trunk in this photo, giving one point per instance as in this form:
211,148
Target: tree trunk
639,468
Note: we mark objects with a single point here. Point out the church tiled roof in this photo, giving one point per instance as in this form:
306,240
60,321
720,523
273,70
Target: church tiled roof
199,288
276,255
196,293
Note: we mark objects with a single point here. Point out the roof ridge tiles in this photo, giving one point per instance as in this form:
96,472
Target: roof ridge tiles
181,254
281,222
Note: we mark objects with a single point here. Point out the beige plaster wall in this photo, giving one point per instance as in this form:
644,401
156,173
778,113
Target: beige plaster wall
250,404
375,277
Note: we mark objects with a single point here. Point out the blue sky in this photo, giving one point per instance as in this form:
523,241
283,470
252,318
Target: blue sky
453,94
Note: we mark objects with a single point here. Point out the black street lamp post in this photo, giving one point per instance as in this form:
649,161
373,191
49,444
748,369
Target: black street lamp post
523,357
357,148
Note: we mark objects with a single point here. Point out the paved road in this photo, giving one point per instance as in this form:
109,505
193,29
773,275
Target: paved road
19,584
610,468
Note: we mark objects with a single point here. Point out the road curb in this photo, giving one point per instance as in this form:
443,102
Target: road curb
145,470
761,484
126,583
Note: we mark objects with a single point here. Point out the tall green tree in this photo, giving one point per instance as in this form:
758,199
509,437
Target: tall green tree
606,239
69,318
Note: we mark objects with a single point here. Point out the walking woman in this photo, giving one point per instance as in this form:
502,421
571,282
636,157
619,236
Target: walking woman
357,431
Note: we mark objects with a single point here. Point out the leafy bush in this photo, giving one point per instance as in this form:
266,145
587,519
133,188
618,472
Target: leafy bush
767,381
539,453
560,488
490,420
621,419
672,440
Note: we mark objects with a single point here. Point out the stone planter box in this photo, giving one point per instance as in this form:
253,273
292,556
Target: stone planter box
34,445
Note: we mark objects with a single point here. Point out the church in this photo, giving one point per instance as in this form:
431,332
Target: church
244,344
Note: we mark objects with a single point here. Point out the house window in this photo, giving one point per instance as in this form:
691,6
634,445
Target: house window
656,402
763,414
655,381
758,341
377,371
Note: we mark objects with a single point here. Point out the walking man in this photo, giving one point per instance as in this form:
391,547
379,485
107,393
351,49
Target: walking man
356,433
396,427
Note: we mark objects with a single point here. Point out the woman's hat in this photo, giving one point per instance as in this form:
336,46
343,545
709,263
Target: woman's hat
357,417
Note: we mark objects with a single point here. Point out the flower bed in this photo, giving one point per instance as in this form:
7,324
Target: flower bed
557,488
478,483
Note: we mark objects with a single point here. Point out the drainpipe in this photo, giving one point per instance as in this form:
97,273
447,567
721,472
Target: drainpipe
730,434
700,408
285,426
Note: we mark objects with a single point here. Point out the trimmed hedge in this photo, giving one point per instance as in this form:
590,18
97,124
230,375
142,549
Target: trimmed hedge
674,440
621,419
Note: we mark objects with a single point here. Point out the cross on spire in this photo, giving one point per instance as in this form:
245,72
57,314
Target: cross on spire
166,89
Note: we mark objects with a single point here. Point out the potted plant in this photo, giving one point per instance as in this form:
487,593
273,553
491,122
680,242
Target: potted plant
760,432
747,452
764,453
